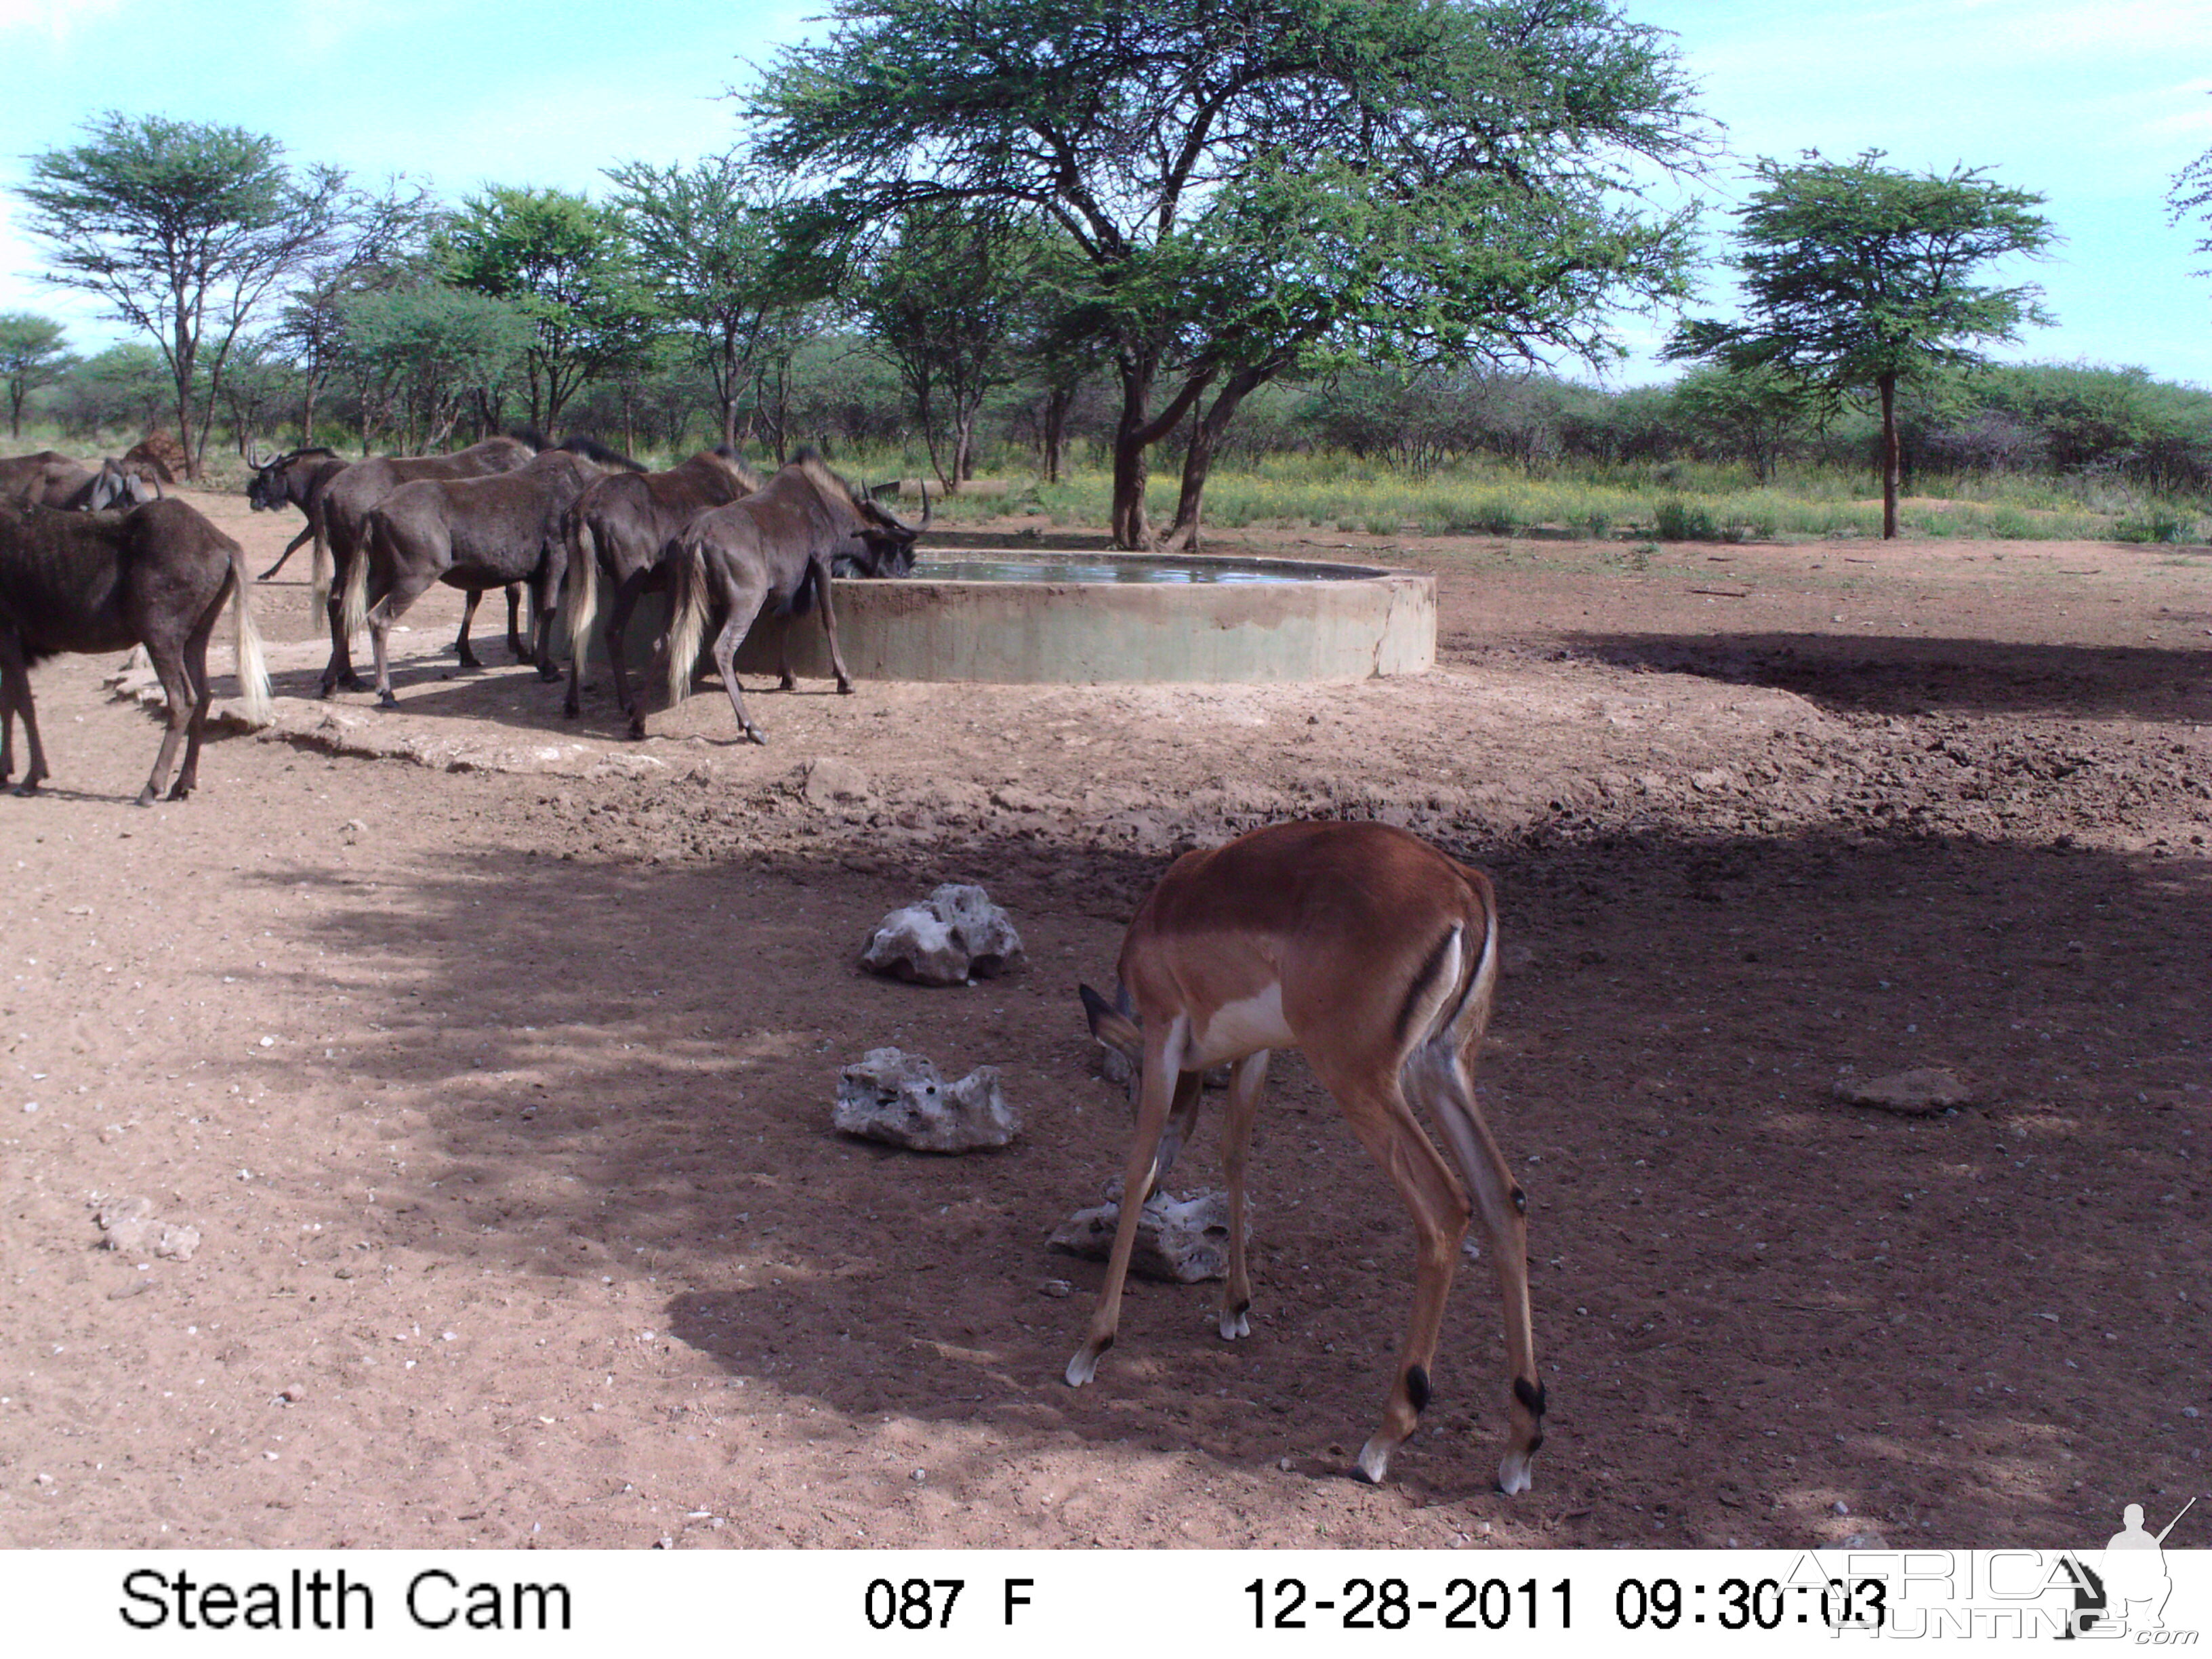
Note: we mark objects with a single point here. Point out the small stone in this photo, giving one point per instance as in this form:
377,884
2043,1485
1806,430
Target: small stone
293,1394
2188,1411
1840,1507
830,780
352,830
899,1099
1182,1240
1060,1289
1914,1094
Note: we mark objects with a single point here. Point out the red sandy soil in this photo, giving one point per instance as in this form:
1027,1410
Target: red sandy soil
492,1059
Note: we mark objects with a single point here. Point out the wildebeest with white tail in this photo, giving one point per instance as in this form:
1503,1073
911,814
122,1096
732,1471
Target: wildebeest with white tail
297,478
349,497
777,547
157,576
473,534
618,529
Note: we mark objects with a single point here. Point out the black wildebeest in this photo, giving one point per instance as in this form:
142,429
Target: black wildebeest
347,501
619,527
474,534
777,546
50,478
157,576
298,477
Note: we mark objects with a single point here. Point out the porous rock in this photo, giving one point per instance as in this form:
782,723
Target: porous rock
956,935
1182,1240
1916,1093
899,1098
128,1225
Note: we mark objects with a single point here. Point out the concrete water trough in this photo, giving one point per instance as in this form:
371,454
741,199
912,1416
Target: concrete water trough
1025,618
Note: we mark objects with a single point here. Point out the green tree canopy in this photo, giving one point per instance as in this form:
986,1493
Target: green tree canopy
33,352
419,354
1857,276
711,247
182,228
1252,184
567,264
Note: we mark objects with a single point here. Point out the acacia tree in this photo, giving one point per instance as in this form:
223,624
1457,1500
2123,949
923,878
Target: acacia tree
711,247
565,263
946,299
182,228
32,355
378,243
1857,276
1251,186
1754,413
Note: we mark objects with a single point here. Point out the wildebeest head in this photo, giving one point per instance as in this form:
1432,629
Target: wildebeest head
270,486
881,543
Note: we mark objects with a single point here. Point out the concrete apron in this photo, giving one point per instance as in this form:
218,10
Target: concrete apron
1079,633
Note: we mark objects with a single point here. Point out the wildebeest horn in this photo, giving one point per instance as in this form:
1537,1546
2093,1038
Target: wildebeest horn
258,458
905,529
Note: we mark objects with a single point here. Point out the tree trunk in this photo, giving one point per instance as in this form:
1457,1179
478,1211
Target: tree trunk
307,418
1887,383
1133,433
1056,404
1206,439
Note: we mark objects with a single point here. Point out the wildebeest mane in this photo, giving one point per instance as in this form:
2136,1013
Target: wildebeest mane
582,443
538,442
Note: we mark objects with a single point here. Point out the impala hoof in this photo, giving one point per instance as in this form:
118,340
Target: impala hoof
1374,1462
1234,1325
1513,1476
1082,1369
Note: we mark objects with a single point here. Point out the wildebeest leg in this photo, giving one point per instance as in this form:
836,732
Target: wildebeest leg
742,595
821,579
618,614
290,548
15,699
461,645
176,686
339,673
514,646
196,649
408,585
544,606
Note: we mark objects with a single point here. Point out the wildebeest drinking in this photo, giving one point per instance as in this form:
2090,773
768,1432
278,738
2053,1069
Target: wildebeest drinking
156,575
777,547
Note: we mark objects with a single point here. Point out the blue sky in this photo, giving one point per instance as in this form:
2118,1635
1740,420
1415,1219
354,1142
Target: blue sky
2094,103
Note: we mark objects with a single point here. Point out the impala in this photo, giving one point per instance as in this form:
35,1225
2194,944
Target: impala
1375,955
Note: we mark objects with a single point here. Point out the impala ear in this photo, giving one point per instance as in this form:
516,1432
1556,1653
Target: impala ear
1114,1026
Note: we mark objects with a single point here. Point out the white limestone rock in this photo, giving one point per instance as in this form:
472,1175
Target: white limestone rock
956,935
1182,1240
899,1098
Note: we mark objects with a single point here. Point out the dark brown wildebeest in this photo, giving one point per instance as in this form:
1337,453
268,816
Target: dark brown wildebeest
347,501
51,479
620,527
298,477
474,534
156,576
777,547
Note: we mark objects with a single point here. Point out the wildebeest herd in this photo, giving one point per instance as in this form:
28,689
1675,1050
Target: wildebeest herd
1370,951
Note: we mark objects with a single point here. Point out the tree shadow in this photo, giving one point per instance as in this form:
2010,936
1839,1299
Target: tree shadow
1936,1320
1889,675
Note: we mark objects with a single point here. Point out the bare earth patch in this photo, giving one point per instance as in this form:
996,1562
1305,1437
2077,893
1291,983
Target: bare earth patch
491,1058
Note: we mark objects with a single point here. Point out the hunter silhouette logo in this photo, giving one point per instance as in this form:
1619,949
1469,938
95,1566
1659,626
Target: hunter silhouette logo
2136,1584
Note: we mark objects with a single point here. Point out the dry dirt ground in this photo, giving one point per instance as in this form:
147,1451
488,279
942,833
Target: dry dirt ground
492,1057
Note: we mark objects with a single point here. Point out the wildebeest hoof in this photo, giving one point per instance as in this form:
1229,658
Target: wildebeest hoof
844,688
549,675
352,683
25,791
145,796
754,734
386,700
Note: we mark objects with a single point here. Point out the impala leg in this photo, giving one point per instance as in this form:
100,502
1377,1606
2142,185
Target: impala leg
1386,1126
1164,1042
1502,1207
1182,1118
1245,1082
